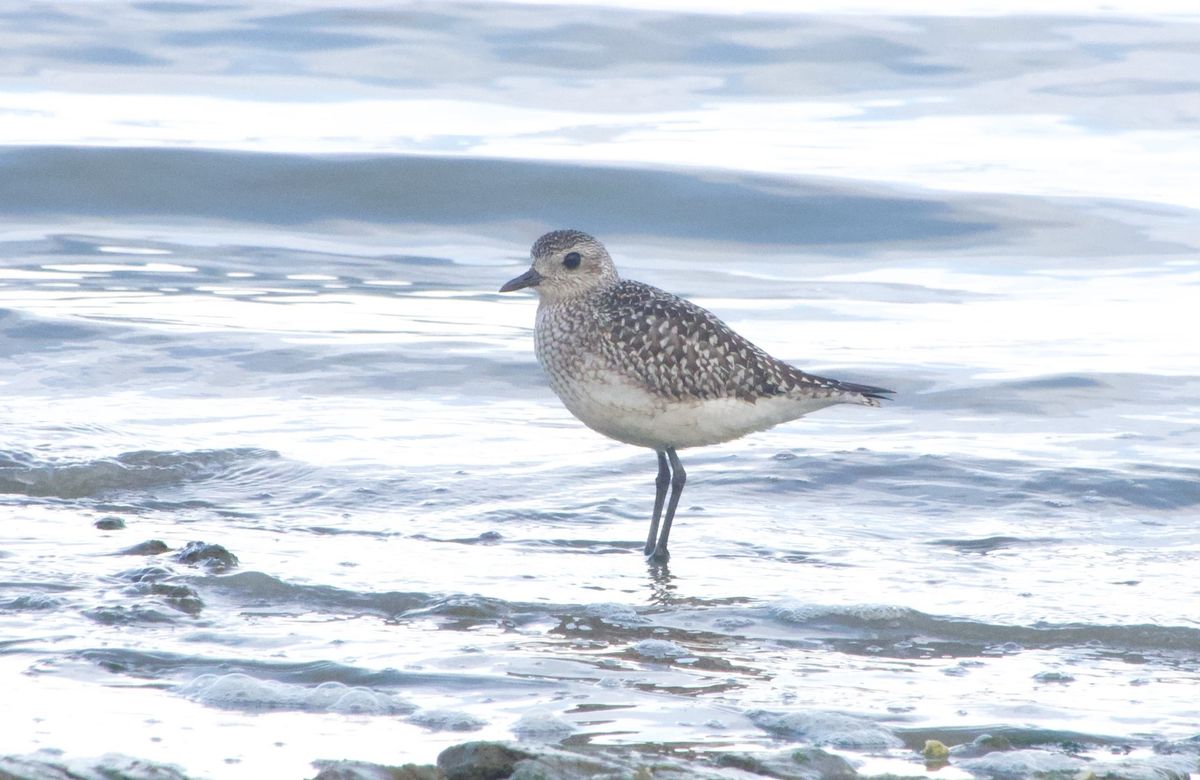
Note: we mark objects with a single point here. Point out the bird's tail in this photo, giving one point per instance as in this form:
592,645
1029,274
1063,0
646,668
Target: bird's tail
868,395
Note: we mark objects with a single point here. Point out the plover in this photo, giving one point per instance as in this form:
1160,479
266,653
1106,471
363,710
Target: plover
649,368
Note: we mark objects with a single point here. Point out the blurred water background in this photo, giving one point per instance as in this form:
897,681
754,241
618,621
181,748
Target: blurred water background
248,261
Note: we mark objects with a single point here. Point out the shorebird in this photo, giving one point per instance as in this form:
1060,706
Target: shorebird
648,368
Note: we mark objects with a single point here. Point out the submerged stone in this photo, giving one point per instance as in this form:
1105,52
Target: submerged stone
150,547
935,751
479,761
211,556
362,770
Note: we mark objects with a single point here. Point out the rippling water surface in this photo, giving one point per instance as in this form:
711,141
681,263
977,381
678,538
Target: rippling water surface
248,262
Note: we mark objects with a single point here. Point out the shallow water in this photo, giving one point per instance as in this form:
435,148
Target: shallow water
247,297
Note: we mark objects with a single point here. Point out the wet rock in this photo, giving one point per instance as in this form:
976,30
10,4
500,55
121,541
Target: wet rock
109,523
147,574
45,765
825,766
32,768
361,770
935,751
151,547
120,615
807,764
128,768
1053,677
150,582
213,557
572,768
480,761
746,763
982,745
1190,745
181,597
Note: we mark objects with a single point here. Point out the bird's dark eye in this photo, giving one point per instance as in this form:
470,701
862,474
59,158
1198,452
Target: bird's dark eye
572,260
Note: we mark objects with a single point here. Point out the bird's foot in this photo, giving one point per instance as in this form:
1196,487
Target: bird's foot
657,555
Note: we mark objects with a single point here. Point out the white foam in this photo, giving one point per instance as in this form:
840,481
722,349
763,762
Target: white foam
661,649
239,691
819,727
448,720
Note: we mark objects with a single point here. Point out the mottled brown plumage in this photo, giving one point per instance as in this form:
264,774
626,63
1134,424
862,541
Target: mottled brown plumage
649,368
682,351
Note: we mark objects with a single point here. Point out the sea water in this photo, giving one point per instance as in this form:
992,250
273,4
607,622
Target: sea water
249,256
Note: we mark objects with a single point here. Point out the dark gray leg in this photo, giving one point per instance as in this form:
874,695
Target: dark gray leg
678,480
660,495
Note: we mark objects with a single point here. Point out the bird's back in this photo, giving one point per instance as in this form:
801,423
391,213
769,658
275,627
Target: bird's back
647,367
681,351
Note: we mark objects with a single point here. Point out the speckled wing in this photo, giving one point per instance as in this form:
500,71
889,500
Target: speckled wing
679,350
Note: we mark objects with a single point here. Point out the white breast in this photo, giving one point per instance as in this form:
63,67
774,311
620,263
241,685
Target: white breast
608,403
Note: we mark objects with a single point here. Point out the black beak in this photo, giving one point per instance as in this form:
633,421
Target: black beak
530,278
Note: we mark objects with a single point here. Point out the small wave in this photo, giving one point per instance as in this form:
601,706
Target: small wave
1059,394
32,602
121,615
989,544
252,588
163,665
859,614
822,728
227,185
300,680
972,482
890,624
24,474
256,589
238,691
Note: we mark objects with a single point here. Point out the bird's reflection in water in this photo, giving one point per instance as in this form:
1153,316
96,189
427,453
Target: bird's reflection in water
662,583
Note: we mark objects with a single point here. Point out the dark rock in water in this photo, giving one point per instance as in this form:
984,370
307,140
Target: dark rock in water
154,581
826,766
31,768
982,745
110,523
119,615
1053,677
751,764
806,764
46,766
147,574
479,761
1189,745
361,770
213,557
151,547
181,597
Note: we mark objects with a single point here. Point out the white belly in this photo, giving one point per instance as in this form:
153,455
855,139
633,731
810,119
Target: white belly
608,403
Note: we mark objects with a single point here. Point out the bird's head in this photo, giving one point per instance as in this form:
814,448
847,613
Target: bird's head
566,264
